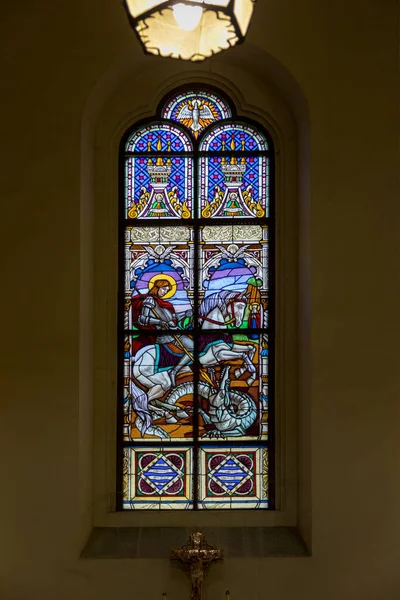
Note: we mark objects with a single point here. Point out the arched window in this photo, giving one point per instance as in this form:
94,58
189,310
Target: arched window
196,314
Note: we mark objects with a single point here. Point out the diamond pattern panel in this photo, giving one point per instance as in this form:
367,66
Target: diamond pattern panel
233,477
155,478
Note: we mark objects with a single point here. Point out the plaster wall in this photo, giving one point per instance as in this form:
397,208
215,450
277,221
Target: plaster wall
61,63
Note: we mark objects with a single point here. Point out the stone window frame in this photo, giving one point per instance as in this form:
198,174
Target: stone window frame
278,530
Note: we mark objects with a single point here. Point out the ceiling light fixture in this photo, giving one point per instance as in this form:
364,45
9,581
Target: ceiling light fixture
189,29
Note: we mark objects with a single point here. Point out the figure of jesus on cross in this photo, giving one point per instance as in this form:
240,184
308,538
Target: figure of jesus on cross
196,555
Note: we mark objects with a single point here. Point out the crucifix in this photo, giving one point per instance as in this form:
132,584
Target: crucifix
196,556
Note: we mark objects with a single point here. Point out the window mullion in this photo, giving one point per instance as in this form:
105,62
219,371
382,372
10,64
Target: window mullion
195,476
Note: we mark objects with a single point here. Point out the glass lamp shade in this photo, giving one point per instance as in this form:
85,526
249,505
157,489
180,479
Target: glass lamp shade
189,29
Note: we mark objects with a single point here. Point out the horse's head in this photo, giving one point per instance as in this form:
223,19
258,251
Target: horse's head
236,307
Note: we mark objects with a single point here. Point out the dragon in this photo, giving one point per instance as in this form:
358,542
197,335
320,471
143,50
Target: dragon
230,412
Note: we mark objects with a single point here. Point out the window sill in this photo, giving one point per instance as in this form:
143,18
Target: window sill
157,542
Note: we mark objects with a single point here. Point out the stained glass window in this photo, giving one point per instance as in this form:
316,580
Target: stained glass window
196,316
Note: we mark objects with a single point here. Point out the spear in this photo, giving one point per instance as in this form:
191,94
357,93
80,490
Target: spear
182,346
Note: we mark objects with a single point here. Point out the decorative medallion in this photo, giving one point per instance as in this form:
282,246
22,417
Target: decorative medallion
230,474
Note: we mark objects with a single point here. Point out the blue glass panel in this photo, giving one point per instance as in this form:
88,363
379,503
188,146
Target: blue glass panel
233,138
158,138
234,186
158,187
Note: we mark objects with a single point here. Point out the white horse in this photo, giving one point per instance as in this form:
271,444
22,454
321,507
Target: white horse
215,312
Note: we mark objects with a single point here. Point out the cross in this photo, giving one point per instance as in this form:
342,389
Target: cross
196,556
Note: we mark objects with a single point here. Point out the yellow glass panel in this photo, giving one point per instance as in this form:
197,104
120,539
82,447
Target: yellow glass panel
243,11
212,2
162,35
138,7
217,2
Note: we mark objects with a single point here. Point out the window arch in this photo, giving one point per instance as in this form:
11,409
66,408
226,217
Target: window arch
196,310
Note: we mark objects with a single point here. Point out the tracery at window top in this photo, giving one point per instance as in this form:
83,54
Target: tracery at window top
197,347
196,110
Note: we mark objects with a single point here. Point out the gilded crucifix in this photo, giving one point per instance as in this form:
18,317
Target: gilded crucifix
196,556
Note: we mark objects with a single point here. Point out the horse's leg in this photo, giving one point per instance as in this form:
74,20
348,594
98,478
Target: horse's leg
157,384
225,353
249,350
251,369
144,370
156,392
217,354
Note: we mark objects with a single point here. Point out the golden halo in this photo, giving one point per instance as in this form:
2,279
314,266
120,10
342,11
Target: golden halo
168,278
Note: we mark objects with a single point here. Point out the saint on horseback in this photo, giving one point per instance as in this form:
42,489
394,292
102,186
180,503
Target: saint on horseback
156,365
154,312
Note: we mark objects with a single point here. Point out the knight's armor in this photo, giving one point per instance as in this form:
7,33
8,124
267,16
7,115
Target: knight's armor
152,314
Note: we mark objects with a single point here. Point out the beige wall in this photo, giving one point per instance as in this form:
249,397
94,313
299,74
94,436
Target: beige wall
61,57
